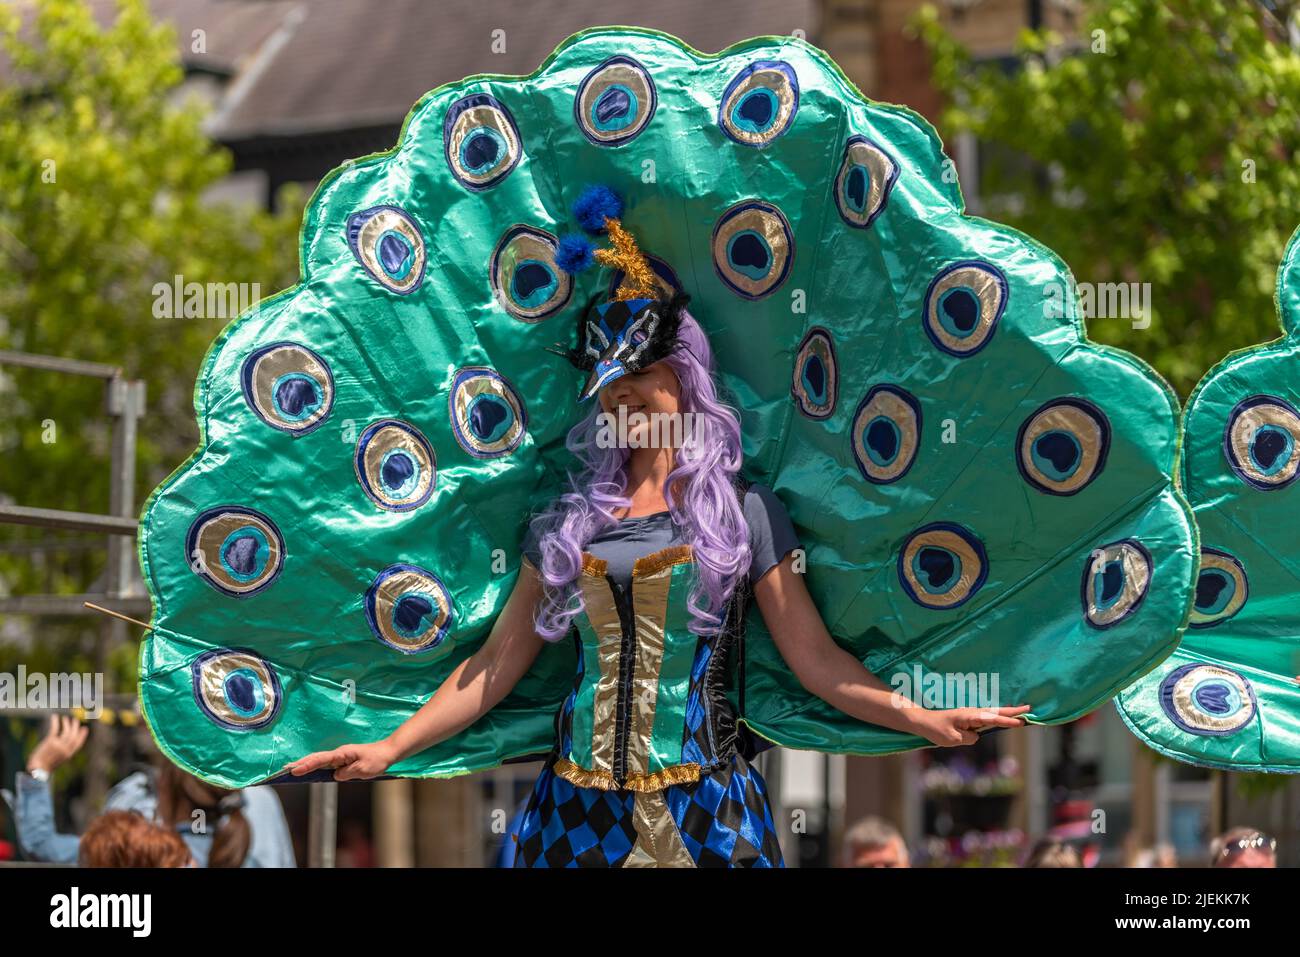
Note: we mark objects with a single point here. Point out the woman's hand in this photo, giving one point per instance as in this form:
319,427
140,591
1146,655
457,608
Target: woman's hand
957,726
61,742
352,762
828,671
473,688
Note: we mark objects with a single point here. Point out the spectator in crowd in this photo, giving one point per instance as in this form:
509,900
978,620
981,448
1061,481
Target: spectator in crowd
125,839
1243,847
1050,852
221,828
874,842
1160,856
354,846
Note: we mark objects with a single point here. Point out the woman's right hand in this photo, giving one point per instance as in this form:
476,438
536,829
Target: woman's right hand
471,690
352,762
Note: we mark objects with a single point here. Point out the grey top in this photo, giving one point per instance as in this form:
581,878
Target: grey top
771,537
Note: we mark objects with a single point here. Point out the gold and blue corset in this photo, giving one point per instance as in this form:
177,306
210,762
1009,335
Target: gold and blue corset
648,708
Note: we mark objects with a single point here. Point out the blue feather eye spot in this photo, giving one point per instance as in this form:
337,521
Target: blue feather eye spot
1063,446
236,550
760,103
866,176
487,416
1221,589
409,609
525,279
665,279
389,245
1208,699
615,101
886,433
236,689
288,386
480,141
395,465
1262,442
815,386
963,306
1116,578
753,248
942,565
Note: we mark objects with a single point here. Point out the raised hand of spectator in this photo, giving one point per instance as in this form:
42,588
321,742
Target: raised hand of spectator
64,739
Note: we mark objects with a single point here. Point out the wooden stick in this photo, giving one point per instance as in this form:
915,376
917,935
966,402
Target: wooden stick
117,614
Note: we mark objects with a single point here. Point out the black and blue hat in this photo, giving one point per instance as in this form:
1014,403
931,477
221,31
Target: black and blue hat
635,328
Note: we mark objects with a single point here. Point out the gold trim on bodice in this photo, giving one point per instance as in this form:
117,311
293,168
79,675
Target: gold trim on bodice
604,780
651,580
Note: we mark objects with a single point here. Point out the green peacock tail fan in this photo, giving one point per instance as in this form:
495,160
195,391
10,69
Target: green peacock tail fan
1229,697
985,498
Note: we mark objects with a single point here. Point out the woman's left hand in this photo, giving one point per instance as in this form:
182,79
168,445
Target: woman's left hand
842,681
957,726
64,739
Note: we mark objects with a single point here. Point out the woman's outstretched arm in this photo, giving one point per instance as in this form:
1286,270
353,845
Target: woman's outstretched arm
835,676
475,687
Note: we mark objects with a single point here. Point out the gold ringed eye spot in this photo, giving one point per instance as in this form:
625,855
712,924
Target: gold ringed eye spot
1262,442
480,141
236,689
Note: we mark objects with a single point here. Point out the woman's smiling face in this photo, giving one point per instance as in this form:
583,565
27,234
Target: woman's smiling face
655,389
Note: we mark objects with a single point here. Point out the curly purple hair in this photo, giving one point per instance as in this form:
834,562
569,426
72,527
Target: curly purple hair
709,511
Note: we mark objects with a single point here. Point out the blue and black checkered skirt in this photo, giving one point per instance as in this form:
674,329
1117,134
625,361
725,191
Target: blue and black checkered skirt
722,820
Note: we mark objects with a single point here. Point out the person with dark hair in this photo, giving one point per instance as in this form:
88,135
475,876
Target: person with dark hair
221,828
1051,852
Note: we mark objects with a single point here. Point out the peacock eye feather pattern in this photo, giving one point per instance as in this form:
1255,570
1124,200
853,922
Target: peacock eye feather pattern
374,439
1228,697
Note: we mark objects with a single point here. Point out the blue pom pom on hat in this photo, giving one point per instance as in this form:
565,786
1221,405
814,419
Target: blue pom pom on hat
575,253
594,205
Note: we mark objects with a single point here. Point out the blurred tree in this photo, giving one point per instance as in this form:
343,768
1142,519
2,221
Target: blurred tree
104,167
1162,145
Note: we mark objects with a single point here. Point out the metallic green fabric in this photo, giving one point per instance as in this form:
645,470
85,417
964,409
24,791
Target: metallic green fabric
1228,698
901,383
582,729
673,683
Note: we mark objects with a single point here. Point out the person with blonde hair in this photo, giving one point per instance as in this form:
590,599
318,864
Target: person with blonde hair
874,842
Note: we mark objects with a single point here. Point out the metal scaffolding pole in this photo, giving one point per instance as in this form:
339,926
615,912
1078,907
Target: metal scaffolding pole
124,402
322,823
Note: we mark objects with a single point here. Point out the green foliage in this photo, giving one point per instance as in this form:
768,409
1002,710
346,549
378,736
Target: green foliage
1168,138
104,167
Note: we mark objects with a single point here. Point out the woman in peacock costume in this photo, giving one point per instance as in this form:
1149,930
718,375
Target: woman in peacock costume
1228,697
975,489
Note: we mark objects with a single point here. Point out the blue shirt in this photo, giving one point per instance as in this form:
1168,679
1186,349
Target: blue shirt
270,844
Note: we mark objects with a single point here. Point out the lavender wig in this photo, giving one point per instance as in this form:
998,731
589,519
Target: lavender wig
709,511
